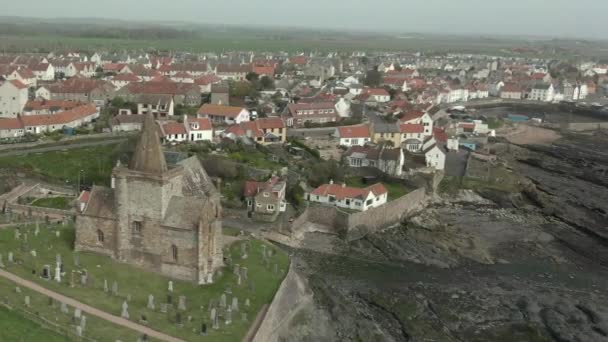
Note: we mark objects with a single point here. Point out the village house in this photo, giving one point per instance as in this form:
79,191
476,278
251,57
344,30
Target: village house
353,135
43,71
224,114
511,91
265,200
297,114
419,118
182,93
23,75
161,106
127,123
542,92
193,69
435,157
263,131
82,89
13,97
206,82
347,197
234,72
43,106
387,160
122,80
37,124
172,131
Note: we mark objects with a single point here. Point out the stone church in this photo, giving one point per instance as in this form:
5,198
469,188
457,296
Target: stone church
163,219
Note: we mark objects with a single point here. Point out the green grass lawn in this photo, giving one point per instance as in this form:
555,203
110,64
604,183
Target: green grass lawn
395,189
64,166
254,158
15,327
139,284
62,203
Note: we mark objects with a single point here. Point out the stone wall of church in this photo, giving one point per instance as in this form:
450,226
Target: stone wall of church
87,236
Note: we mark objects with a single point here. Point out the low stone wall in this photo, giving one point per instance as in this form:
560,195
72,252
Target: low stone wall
39,212
288,301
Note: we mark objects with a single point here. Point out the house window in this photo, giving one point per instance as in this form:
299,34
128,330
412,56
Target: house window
270,207
100,237
136,227
249,203
369,202
332,198
174,252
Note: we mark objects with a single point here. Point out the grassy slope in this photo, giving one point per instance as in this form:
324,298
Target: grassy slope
53,202
395,190
14,327
140,284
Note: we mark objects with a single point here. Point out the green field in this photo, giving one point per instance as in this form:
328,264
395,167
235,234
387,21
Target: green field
260,288
395,189
96,164
16,328
62,203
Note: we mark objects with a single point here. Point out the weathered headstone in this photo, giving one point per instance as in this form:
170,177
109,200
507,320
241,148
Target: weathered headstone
83,322
215,319
181,305
27,301
245,273
203,329
72,279
46,272
1,262
77,313
17,289
169,299
34,253
223,300
58,273
76,260
105,286
263,251
64,308
178,318
115,288
235,304
17,234
125,312
163,307
37,230
58,259
128,297
209,278
247,302
57,233
244,316
170,286
228,289
228,316
84,278
79,330
10,257
151,305
238,279
237,269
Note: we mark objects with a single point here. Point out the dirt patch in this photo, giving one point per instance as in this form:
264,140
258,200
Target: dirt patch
524,134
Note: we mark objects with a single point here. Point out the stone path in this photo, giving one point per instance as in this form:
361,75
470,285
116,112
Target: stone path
89,309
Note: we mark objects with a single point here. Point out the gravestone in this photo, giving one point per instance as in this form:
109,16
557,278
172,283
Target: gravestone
128,297
58,259
235,304
17,289
228,289
1,262
245,273
77,313
76,260
57,233
182,303
34,253
204,329
27,301
170,286
228,316
79,330
83,322
244,316
213,314
209,278
169,299
178,318
37,230
215,319
238,279
151,305
275,268
10,257
83,278
247,302
125,313
223,300
163,307
17,234
46,272
58,273
72,277
115,288
263,251
237,269
105,286
64,308
51,302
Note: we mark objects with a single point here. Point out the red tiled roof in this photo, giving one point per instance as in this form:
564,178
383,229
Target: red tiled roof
298,60
440,135
60,118
361,131
411,128
170,88
204,124
129,77
263,70
84,196
270,123
207,79
113,66
13,123
233,68
172,127
342,192
18,84
377,92
48,104
511,88
218,110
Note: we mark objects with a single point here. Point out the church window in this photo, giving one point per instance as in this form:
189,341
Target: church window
174,252
137,227
100,236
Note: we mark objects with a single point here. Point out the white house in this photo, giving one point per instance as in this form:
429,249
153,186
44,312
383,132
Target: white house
13,97
72,118
419,118
43,93
224,114
25,76
542,92
435,157
353,135
43,71
343,108
343,196
199,129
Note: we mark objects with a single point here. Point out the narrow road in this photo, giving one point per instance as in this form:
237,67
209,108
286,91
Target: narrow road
89,309
109,141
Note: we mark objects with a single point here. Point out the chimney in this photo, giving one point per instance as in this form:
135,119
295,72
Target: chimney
331,181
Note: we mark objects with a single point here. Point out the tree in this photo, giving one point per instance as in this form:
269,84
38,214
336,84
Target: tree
242,89
252,76
267,82
118,102
364,60
373,78
398,67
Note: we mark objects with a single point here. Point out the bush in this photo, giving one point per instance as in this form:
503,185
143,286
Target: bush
315,153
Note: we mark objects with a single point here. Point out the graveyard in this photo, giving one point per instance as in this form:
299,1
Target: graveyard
222,311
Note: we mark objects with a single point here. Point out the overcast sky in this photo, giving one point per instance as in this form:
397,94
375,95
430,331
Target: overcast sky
568,18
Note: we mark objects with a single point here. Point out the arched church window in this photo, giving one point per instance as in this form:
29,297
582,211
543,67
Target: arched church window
100,236
174,252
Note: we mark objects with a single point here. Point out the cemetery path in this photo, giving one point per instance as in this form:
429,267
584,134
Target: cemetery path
89,309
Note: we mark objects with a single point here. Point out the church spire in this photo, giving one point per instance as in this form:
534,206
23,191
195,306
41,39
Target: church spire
148,156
